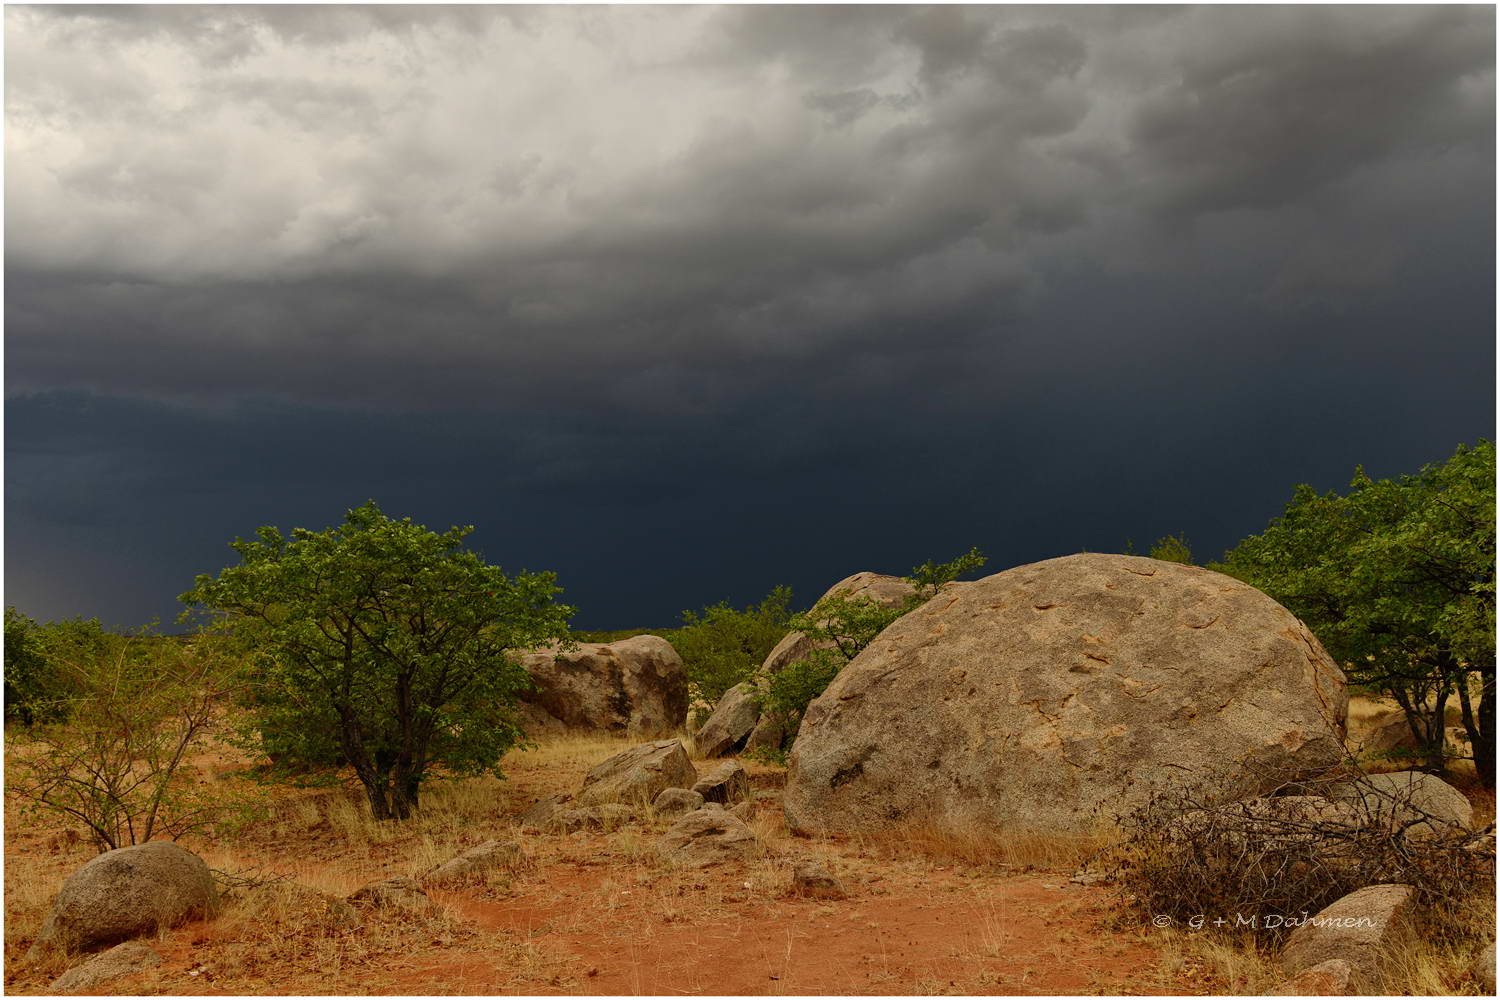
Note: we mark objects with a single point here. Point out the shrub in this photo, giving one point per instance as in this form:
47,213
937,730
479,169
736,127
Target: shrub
1173,548
1187,855
38,686
721,646
136,712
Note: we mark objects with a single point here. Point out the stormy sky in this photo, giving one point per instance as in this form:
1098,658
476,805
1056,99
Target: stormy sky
686,302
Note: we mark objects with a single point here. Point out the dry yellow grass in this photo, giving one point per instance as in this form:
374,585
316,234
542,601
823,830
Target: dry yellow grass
972,844
596,890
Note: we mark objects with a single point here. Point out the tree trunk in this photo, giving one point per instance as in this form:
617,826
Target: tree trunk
405,789
380,806
1481,729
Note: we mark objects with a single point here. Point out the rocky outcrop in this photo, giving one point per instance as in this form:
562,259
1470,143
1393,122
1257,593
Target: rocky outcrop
707,837
1422,804
636,685
638,775
728,783
1354,930
1055,695
127,893
489,855
535,721
731,723
121,960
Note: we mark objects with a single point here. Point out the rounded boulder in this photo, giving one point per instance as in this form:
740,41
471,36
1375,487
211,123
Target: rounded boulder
127,893
1055,695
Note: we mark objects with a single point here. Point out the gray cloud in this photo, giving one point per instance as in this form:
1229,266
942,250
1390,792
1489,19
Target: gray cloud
692,232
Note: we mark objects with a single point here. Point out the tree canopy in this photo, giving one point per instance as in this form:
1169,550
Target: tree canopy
388,637
1397,579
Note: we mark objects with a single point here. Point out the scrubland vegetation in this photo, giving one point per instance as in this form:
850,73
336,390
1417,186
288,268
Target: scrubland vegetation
346,710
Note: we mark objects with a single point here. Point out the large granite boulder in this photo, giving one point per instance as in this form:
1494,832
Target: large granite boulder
730,724
127,893
1052,696
886,591
638,775
636,685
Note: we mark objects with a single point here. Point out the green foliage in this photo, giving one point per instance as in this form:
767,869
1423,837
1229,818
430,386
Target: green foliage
616,634
136,709
391,639
38,685
1173,548
841,626
722,646
1397,579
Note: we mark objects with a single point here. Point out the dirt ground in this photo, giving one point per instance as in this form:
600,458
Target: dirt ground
597,913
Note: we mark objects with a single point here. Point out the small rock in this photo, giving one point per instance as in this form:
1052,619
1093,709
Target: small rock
398,893
121,960
490,854
677,800
813,878
727,783
609,816
1326,979
1085,876
707,837
744,812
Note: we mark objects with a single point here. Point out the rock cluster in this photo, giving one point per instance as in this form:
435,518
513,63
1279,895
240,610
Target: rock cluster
736,723
638,775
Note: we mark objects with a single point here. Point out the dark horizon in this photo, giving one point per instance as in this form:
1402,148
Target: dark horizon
685,303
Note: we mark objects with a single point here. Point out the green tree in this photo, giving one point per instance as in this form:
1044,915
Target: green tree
39,687
722,646
395,636
1397,579
841,626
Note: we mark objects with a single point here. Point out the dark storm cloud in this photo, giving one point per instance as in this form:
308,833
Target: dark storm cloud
961,266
